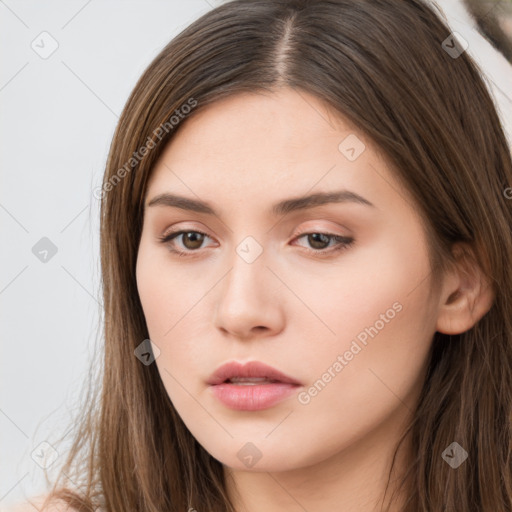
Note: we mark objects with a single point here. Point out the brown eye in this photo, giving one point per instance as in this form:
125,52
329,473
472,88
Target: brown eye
318,240
191,241
319,244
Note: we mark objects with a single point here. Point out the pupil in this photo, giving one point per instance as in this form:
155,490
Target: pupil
195,238
315,237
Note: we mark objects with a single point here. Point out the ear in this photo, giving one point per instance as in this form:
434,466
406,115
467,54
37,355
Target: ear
467,293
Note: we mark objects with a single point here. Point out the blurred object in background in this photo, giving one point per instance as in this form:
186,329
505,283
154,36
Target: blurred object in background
486,26
494,21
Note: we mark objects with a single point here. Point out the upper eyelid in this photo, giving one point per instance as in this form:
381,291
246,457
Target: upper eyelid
314,229
300,232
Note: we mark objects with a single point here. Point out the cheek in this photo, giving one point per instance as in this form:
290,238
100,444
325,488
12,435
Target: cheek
166,294
352,292
167,299
380,314
173,304
153,293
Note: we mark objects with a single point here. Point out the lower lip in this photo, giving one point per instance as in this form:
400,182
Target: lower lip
253,397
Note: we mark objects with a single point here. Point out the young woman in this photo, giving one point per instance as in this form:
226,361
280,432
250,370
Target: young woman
305,246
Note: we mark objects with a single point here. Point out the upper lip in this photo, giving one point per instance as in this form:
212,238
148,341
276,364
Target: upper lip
251,369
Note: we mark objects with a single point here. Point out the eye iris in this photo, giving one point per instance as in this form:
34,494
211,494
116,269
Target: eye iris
313,238
194,237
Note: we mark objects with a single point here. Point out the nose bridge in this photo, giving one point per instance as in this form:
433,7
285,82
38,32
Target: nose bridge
246,298
247,278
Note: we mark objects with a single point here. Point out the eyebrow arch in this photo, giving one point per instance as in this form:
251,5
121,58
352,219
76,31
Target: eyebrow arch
278,209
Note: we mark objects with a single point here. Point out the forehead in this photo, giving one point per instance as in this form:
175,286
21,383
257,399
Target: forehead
279,123
266,146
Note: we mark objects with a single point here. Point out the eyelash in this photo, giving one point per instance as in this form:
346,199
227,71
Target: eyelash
343,242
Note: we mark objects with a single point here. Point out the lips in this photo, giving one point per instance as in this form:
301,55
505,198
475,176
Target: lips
253,372
253,386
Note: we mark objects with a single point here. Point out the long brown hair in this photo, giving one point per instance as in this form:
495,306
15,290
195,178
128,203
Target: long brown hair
392,68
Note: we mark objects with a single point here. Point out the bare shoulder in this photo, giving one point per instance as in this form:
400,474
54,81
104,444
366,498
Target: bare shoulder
36,505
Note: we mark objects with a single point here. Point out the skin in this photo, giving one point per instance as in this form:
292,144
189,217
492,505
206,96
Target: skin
289,308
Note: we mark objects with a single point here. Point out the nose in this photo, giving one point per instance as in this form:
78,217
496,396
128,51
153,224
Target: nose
248,301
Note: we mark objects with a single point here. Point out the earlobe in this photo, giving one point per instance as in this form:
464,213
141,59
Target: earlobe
467,294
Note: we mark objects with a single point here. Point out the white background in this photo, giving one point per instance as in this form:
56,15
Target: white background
58,115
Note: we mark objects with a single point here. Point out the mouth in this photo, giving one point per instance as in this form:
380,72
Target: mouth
252,386
251,373
248,381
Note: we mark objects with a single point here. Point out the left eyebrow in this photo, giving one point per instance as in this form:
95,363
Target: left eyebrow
278,209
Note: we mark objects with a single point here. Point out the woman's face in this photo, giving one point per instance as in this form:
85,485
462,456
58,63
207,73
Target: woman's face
332,293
